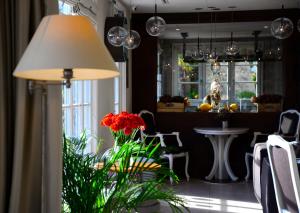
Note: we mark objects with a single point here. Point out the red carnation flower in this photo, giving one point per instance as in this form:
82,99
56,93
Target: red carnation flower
107,120
127,131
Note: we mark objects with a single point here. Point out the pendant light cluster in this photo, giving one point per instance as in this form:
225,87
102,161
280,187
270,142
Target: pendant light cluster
232,49
155,25
198,54
282,28
118,36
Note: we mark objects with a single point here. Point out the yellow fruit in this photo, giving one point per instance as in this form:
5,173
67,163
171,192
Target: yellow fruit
234,107
205,107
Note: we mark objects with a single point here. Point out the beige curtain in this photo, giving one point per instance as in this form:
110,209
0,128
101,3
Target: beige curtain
21,118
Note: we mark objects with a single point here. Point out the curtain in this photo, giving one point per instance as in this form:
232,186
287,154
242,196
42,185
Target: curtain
21,118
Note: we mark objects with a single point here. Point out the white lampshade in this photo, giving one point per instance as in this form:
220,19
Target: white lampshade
66,42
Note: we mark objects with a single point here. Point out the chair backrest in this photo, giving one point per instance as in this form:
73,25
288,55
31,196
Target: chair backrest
149,120
170,140
289,125
285,174
150,133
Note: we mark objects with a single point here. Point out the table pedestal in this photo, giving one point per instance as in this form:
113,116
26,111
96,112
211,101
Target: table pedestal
221,167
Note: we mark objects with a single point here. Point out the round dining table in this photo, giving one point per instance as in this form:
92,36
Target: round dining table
221,139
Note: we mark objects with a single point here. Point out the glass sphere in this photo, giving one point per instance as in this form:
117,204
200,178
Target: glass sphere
278,54
210,57
232,49
132,40
282,28
269,53
155,25
198,55
215,68
116,36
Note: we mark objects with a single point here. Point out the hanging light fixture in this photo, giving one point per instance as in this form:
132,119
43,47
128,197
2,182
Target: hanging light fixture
198,54
232,49
133,38
116,36
282,28
155,25
211,55
216,67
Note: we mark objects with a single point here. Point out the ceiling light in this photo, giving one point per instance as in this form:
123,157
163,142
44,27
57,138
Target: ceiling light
177,29
132,40
155,25
266,26
232,49
116,36
282,28
198,55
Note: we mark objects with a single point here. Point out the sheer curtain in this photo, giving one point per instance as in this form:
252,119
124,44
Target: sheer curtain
20,117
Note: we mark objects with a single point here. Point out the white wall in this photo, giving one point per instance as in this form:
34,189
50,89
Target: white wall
105,88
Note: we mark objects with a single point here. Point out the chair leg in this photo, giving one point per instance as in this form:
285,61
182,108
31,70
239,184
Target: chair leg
187,166
247,157
171,166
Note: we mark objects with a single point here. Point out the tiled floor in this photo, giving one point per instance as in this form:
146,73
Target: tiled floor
204,197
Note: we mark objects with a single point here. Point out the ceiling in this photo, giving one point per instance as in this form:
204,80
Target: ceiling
219,30
147,6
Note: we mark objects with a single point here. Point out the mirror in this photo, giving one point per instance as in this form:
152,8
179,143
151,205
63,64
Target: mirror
242,56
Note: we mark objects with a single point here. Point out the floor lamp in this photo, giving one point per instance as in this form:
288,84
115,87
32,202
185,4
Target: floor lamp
63,48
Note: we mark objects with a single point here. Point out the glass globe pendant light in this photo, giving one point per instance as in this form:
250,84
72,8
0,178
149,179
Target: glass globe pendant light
216,67
232,49
116,36
132,40
282,28
211,54
198,55
155,25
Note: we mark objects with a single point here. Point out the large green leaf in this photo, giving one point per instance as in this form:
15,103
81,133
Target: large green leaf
86,189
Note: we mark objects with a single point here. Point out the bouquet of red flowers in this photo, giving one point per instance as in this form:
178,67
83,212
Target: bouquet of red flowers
123,126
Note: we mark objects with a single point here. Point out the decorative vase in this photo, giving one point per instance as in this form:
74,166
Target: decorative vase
224,124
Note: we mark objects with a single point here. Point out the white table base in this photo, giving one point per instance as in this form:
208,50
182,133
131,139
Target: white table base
221,145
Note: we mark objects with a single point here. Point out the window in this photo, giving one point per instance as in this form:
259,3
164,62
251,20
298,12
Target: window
120,88
79,106
238,80
77,102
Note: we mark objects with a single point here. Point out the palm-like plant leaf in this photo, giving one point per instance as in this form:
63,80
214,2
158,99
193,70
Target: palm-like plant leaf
86,189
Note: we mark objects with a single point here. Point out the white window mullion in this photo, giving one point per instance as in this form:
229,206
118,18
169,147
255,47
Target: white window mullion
231,82
82,94
71,113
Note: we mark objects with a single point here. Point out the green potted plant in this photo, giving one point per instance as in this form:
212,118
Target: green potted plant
91,184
